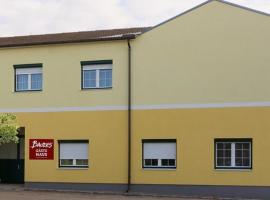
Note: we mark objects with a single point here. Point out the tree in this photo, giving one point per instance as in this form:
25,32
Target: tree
8,129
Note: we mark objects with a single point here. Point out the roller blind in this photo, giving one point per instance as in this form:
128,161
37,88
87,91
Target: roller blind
159,150
73,150
36,70
98,66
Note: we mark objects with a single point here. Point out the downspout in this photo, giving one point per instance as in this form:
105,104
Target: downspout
129,116
128,38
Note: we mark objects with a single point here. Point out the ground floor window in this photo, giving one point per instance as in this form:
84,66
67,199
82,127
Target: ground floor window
159,153
233,153
73,153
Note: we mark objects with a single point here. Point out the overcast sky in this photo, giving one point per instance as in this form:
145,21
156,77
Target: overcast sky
25,17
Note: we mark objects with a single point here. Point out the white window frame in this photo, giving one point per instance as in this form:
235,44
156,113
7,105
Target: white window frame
233,157
74,160
96,68
159,159
29,72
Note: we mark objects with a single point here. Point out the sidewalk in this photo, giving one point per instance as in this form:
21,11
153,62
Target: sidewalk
17,192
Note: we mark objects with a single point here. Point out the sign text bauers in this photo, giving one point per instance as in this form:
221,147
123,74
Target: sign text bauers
41,149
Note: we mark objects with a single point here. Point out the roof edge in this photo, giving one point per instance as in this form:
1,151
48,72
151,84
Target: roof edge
128,37
117,37
202,4
244,7
179,15
75,32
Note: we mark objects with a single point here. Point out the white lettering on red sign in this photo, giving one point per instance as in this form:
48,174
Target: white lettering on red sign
37,144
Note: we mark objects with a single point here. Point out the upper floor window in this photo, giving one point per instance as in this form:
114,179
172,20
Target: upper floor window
96,74
159,153
28,77
233,153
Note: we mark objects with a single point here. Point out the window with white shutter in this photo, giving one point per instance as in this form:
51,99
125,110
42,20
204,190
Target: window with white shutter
159,153
73,153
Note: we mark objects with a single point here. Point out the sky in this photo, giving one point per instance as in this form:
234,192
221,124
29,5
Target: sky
28,17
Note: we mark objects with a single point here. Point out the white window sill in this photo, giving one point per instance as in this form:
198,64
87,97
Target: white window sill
21,91
96,88
159,169
234,170
73,168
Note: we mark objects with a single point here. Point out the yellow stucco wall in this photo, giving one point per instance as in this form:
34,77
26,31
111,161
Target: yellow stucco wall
195,131
106,132
216,53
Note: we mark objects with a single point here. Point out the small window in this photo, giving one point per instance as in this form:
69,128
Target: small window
159,153
28,78
96,74
233,154
73,153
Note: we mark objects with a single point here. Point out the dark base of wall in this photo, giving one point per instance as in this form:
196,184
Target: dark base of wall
81,187
249,192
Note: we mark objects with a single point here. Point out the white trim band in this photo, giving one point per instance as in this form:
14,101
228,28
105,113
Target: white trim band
63,109
137,107
201,105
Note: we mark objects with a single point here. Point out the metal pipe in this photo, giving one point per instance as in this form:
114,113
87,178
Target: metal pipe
129,116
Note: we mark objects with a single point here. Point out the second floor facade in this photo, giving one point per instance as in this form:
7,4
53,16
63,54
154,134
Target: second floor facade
197,59
70,75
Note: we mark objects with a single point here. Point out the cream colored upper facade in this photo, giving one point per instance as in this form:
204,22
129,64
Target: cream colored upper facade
216,53
62,75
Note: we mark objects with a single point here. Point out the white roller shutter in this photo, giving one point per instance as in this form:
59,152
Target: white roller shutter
73,150
159,150
98,66
34,70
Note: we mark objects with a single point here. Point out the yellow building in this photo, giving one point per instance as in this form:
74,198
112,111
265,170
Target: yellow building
179,108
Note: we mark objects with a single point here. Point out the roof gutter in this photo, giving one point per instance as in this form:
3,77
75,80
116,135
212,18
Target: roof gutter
101,39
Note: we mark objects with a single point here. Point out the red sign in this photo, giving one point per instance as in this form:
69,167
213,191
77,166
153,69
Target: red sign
41,149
